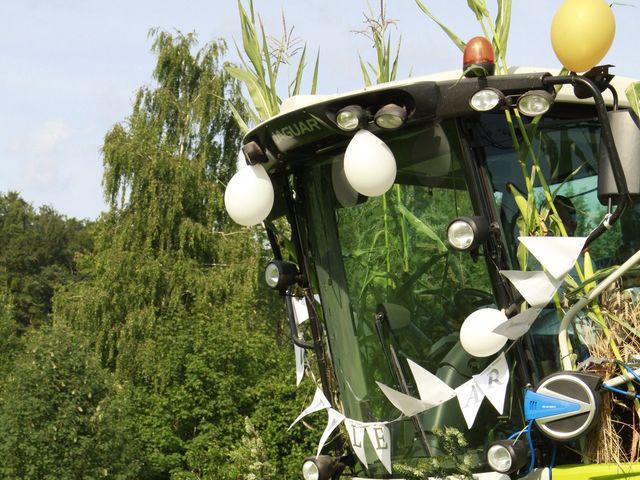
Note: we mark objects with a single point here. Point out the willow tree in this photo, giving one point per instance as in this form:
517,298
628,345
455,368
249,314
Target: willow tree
173,301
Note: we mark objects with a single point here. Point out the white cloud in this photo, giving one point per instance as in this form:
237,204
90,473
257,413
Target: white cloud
44,140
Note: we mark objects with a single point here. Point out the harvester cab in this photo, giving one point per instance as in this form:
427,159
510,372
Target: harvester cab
434,230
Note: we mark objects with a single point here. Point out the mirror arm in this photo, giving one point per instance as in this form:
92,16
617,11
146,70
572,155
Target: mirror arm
609,142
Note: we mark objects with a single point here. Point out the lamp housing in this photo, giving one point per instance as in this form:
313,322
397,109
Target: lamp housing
487,99
352,117
467,233
390,116
508,456
253,153
535,102
322,467
279,274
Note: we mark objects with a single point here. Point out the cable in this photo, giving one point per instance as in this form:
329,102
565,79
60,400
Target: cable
533,453
626,393
553,460
631,371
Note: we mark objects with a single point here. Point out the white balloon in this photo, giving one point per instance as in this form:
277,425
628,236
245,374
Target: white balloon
249,195
476,333
369,164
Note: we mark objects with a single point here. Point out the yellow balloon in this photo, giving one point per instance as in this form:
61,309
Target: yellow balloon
582,32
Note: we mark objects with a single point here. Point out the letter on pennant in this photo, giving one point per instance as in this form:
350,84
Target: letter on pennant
493,382
470,398
356,431
381,440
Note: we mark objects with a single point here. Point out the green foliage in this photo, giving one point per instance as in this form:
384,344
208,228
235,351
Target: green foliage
250,457
260,68
386,67
174,299
497,29
60,415
10,342
454,459
39,252
633,95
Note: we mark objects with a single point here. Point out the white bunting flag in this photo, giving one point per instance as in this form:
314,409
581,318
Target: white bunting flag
537,287
299,352
407,404
300,310
319,402
493,382
335,419
470,398
381,440
356,431
431,389
556,254
519,324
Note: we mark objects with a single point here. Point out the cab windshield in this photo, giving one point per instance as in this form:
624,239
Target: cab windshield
392,289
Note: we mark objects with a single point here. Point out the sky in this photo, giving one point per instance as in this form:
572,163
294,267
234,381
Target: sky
69,69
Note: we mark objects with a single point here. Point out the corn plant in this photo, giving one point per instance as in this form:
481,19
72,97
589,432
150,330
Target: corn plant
260,68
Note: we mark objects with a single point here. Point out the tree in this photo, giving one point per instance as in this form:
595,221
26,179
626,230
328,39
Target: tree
60,413
39,252
175,302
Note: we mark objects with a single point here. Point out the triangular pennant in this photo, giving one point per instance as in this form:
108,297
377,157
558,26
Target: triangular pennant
381,440
300,310
299,352
335,419
470,398
556,254
408,405
431,389
537,287
493,382
356,431
319,402
518,325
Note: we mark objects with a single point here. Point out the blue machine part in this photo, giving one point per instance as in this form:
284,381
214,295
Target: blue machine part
537,405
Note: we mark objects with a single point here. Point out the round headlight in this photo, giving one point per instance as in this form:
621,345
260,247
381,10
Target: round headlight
499,458
486,99
467,233
390,116
460,235
351,118
310,470
508,456
272,275
280,274
535,102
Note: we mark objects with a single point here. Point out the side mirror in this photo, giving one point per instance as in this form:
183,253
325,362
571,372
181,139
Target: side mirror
625,127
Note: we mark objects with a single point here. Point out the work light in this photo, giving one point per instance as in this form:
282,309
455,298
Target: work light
390,116
535,102
280,274
507,456
351,118
467,233
486,99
